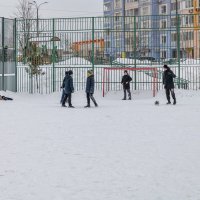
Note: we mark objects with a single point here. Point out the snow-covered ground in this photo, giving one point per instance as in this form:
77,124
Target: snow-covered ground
122,150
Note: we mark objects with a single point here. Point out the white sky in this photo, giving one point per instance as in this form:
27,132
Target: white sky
58,8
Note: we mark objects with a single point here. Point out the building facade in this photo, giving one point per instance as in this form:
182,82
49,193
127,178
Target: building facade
155,28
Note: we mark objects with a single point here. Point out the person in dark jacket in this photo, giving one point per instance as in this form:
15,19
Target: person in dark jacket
63,88
5,98
168,82
69,89
126,79
90,89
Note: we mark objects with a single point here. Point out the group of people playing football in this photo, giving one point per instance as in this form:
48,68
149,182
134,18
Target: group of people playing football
68,87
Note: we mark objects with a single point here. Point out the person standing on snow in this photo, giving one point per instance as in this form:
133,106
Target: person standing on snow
90,89
63,88
126,79
168,82
69,89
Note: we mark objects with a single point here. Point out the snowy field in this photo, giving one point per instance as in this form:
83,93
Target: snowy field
122,150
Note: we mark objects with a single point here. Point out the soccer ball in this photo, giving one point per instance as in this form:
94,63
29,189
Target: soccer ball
157,103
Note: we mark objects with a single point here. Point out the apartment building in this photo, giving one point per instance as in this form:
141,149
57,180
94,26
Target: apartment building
156,28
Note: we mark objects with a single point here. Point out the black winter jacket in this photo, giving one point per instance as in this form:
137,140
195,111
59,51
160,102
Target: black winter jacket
168,77
68,84
126,79
90,84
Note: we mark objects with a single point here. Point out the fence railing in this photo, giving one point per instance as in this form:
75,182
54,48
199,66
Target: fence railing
7,55
97,42
142,80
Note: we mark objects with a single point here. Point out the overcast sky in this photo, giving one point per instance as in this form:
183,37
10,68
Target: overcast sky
58,8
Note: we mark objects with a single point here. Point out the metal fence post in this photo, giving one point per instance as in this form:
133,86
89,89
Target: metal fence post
3,54
15,51
93,43
135,77
53,56
178,50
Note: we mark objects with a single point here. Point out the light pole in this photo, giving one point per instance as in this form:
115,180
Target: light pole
37,6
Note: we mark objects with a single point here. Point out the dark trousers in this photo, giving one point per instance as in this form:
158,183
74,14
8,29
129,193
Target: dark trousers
63,95
69,97
90,96
129,93
168,91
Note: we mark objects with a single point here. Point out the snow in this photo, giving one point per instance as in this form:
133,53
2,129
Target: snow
183,62
122,150
75,61
127,61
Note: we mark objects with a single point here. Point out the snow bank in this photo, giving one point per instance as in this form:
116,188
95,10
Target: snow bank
127,61
190,62
75,61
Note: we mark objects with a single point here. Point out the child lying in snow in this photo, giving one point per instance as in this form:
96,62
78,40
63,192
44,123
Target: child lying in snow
5,98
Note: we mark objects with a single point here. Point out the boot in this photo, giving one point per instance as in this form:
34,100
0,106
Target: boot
63,105
174,97
168,103
71,106
124,99
174,103
96,105
88,106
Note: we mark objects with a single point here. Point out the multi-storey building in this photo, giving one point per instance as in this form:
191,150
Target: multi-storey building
156,28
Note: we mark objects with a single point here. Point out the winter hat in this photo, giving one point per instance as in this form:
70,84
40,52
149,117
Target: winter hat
125,71
89,72
70,72
165,67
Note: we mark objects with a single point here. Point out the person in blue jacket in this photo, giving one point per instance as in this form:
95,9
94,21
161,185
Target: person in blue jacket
90,89
69,89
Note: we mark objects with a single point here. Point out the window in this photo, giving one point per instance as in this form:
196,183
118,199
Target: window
127,26
127,41
163,54
163,39
163,9
117,3
107,44
118,27
130,12
174,53
189,20
118,43
188,3
173,22
163,24
107,7
173,6
145,24
136,11
117,17
188,35
145,10
173,37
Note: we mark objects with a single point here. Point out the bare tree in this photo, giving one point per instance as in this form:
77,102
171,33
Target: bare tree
25,14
